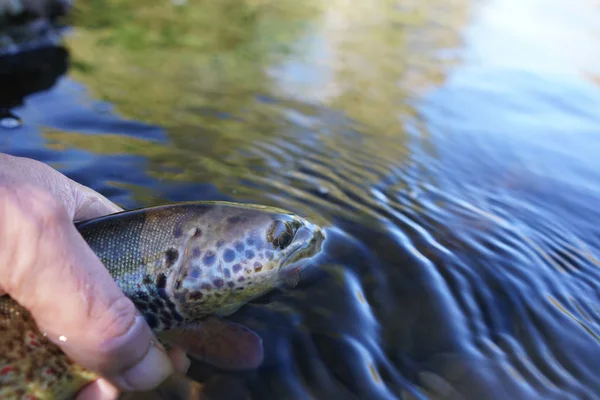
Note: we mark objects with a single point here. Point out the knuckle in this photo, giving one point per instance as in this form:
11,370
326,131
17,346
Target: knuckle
38,209
46,211
27,199
10,200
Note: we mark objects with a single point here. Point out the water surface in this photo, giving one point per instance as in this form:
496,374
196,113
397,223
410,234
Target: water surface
449,147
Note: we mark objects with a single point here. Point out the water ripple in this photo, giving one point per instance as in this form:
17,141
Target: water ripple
462,252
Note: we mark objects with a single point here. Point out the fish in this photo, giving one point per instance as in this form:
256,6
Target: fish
186,267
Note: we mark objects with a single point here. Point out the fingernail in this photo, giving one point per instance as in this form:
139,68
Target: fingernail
150,372
100,389
179,359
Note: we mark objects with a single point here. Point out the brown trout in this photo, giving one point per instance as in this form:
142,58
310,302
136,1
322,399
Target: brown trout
184,266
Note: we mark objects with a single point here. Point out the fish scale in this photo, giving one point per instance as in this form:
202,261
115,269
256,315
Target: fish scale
182,265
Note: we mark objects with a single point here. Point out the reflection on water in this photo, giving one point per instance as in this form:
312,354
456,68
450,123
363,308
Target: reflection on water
448,146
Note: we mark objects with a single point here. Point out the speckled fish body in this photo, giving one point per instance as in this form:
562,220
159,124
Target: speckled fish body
180,264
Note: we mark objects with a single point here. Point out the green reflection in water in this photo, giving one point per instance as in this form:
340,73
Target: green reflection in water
159,62
197,69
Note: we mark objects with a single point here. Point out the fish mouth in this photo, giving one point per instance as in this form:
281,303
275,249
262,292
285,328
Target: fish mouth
295,259
293,265
288,261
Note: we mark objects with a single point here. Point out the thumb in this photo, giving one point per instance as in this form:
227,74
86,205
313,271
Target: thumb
73,299
89,203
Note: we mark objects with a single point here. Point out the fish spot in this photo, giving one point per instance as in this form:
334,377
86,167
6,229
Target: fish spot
241,279
166,321
206,286
7,370
151,320
138,303
152,307
237,268
249,254
240,288
196,252
218,283
143,296
180,297
250,241
209,258
177,284
161,281
220,243
197,233
257,266
226,273
228,255
147,280
234,220
195,273
196,296
157,303
171,255
239,246
230,284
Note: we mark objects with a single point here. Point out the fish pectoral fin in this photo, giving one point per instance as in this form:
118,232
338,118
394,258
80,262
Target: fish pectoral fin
291,277
222,343
230,309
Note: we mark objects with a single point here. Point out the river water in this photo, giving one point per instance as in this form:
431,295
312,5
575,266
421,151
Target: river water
449,147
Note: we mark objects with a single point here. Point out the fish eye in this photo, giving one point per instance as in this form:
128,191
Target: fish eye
281,234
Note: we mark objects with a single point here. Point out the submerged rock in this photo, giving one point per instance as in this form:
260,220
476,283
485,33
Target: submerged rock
30,24
32,9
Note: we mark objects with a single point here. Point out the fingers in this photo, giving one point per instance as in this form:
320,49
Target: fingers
99,390
104,390
90,204
47,267
179,359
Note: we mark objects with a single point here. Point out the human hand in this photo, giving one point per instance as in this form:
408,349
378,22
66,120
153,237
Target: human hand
48,268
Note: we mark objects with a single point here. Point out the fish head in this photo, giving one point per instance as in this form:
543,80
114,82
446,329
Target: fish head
234,253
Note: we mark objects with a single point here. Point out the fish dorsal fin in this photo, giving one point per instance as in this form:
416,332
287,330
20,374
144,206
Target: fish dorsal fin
221,343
